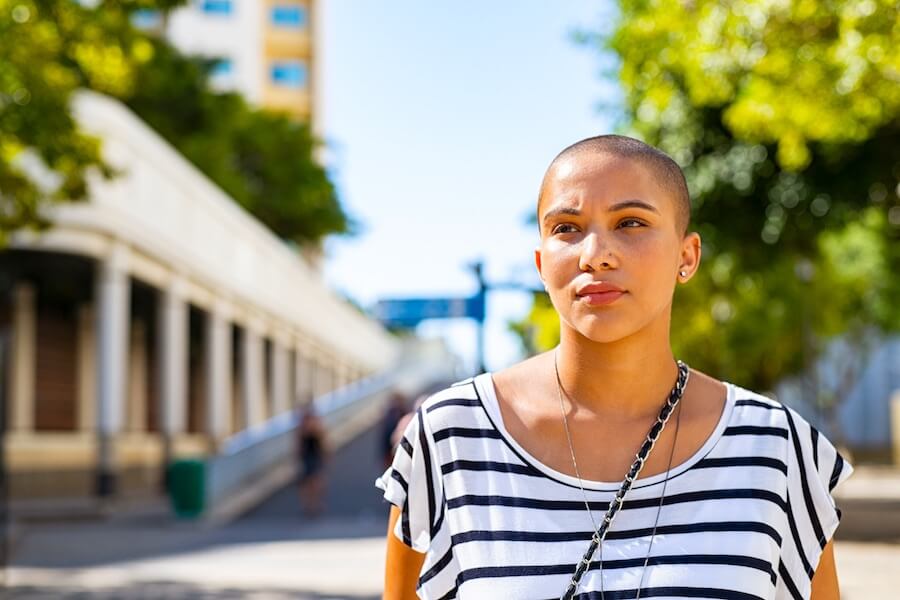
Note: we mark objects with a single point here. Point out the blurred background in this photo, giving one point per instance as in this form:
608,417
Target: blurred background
238,233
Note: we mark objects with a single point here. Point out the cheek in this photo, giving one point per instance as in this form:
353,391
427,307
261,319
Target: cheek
559,266
657,266
651,252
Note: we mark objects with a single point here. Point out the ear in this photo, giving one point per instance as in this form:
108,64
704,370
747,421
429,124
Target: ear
690,255
537,262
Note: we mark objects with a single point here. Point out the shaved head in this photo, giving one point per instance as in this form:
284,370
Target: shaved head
667,172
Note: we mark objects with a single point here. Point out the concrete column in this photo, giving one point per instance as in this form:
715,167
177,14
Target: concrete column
290,362
87,369
278,386
266,379
218,374
137,378
23,357
173,358
323,375
299,393
252,393
313,376
237,402
113,314
337,375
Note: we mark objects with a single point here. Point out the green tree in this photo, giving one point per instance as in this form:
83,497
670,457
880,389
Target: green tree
264,160
784,117
50,48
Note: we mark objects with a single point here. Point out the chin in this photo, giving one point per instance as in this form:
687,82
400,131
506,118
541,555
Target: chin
602,329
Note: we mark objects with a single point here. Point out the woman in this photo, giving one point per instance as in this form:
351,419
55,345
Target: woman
504,482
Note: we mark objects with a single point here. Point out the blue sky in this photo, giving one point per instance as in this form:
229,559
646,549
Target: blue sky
440,118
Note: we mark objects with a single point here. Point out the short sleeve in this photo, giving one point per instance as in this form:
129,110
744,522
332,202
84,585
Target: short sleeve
815,469
413,484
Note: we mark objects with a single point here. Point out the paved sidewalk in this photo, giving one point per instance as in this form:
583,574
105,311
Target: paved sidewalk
868,571
327,559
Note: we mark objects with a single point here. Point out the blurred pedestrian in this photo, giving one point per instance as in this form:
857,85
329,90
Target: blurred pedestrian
396,409
311,451
405,419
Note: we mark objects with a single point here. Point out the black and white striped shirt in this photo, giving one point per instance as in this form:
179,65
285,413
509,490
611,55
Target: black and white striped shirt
746,517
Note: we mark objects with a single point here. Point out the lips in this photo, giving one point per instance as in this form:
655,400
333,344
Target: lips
599,293
601,298
599,287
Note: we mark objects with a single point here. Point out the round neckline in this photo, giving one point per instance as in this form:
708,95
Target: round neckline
484,385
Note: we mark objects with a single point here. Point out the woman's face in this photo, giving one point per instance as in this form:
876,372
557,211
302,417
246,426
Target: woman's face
593,231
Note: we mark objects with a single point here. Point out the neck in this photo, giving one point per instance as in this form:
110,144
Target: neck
625,380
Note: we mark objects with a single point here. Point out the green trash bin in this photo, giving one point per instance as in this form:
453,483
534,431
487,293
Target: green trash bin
187,489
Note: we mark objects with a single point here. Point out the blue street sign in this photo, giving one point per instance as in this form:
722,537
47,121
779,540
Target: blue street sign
409,312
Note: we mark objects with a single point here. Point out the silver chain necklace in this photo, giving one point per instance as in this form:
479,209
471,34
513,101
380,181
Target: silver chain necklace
652,436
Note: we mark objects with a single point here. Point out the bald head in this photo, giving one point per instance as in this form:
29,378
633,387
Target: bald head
667,172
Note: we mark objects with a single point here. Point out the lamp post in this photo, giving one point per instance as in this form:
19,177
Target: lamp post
477,268
484,287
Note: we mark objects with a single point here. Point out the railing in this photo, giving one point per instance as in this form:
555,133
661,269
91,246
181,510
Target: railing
258,461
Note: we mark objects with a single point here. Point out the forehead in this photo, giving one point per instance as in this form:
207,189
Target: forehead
593,180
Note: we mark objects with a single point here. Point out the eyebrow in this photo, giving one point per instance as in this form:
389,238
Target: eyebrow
618,206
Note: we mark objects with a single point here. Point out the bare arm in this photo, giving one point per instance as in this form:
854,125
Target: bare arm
825,581
402,565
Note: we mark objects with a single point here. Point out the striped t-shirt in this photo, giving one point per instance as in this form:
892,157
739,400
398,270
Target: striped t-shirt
746,517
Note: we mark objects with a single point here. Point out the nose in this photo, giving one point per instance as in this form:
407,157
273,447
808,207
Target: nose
596,253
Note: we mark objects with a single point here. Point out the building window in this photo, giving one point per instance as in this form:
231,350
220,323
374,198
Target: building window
216,7
289,73
289,15
222,69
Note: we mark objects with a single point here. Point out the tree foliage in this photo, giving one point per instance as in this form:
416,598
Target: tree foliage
50,48
264,160
784,116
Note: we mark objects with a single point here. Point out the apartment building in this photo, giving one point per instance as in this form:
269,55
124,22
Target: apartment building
265,47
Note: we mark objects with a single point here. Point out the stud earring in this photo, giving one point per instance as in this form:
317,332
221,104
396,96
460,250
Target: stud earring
683,273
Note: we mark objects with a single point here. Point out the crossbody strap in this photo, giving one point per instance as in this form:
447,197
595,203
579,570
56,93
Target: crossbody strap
636,467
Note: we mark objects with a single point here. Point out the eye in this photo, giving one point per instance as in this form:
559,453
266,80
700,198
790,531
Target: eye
560,228
639,223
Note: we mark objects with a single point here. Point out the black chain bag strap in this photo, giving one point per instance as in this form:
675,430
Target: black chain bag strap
614,506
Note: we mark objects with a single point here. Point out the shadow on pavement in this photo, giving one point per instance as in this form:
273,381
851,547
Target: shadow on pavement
869,520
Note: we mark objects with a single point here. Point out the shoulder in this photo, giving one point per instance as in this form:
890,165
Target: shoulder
753,406
460,392
763,419
452,405
517,377
520,383
806,445
523,372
